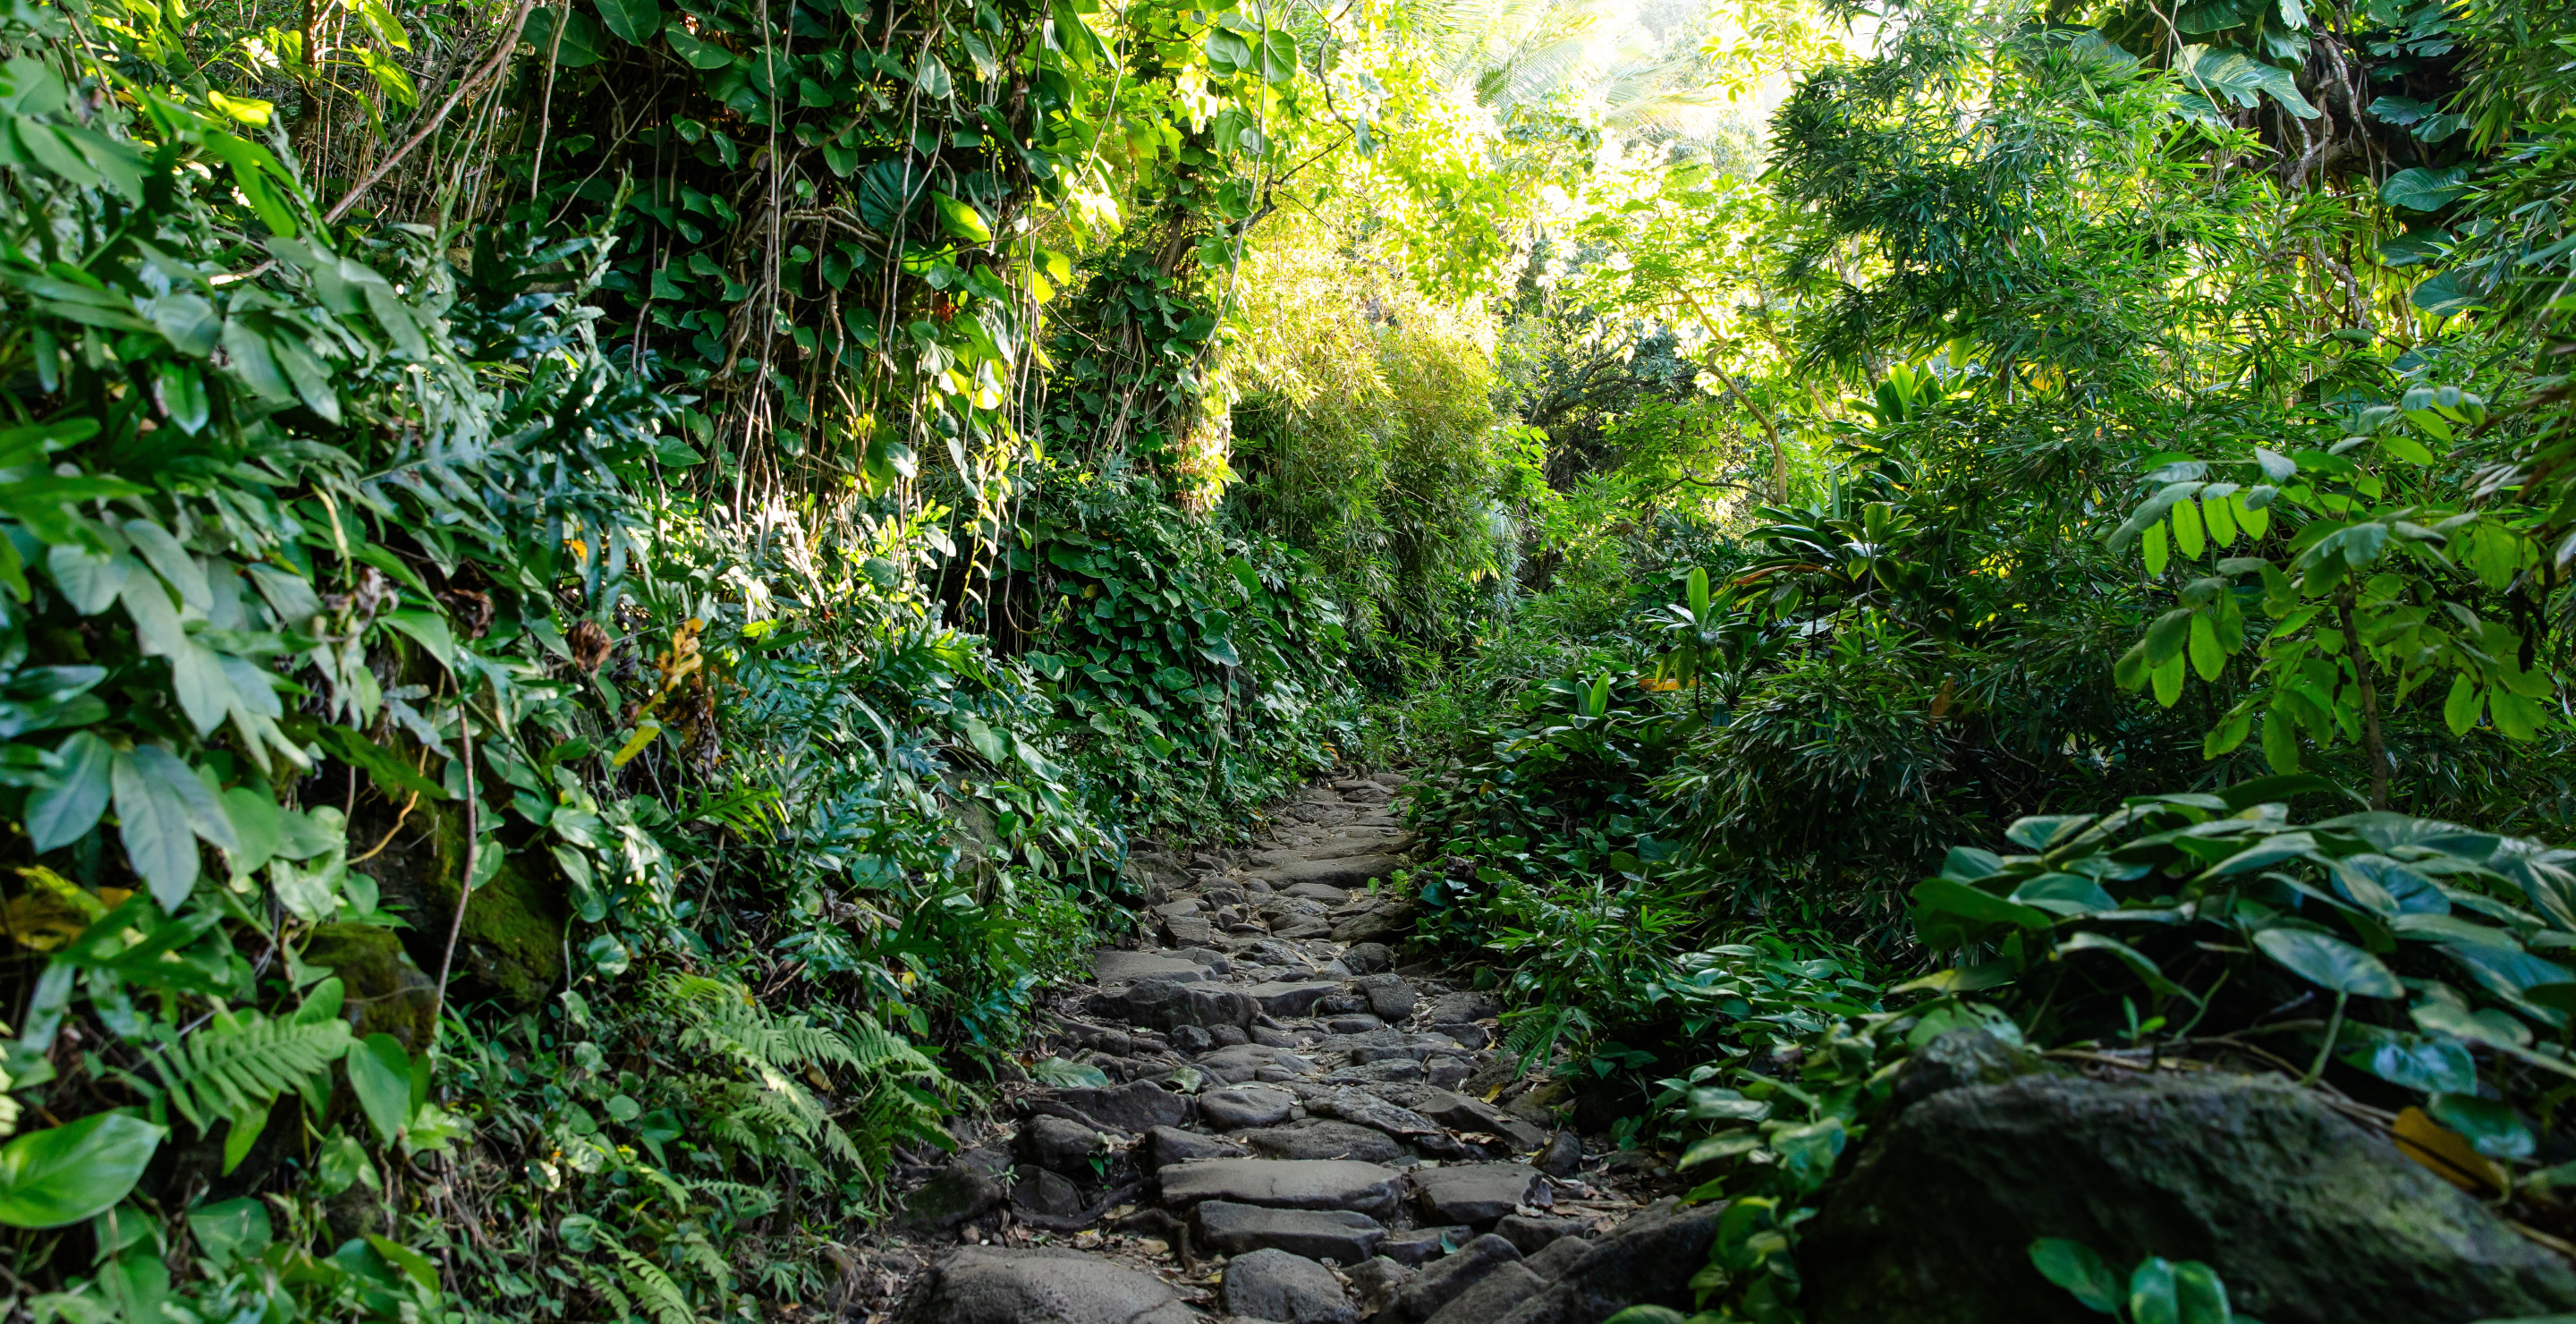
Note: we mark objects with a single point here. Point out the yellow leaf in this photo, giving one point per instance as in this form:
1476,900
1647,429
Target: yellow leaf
643,736
2445,1151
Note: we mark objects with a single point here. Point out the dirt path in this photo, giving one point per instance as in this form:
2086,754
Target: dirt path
1289,1131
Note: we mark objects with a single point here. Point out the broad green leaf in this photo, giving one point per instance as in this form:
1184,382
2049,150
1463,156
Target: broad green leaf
2151,545
961,220
380,1072
64,1174
2491,1126
575,47
2152,1296
230,1230
1949,896
161,810
699,54
2207,658
2080,1270
2329,962
2460,711
2187,531
2200,1295
2423,189
2065,894
633,21
68,805
429,629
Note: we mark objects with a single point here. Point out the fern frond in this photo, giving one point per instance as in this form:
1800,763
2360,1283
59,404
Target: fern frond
654,1289
605,1283
236,1063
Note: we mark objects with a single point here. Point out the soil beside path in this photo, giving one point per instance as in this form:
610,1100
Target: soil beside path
1291,1130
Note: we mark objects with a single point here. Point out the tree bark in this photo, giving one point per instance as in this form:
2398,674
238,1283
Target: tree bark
2370,741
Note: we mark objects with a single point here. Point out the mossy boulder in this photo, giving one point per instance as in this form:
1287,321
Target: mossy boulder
2309,1218
511,948
385,990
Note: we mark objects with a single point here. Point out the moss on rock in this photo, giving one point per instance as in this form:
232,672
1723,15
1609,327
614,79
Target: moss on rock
511,947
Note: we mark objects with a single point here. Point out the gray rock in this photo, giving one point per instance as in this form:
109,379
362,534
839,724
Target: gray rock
1459,1112
2300,1211
1367,958
1042,1192
1161,1003
1192,1039
1059,1145
1227,1036
1392,1070
1137,1106
1368,1110
1464,1008
1648,1260
1263,1034
1375,1282
1958,1058
1289,1289
1476,1194
1239,1106
1331,896
1325,1140
1388,919
1447,1072
1290,998
1112,966
1563,1156
1318,1234
1242,1062
1358,1022
1189,930
1491,1297
1468,1035
1116,1043
1286,1184
1167,1145
999,1285
1533,1235
1559,1258
1349,872
1390,996
965,1190
1436,1286
1419,1246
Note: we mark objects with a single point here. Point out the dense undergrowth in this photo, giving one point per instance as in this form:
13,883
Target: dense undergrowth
596,594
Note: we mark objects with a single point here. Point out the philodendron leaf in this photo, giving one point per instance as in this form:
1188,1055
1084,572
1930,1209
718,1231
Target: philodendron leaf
380,1071
57,1177
2077,1268
64,809
2329,962
161,810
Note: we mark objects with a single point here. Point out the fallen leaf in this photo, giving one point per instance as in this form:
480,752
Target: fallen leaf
2445,1151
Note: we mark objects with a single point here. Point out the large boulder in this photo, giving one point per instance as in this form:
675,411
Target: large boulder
1161,1002
385,993
995,1285
2306,1216
510,948
1648,1260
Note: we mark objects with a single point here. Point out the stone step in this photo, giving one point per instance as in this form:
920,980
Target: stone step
1364,1188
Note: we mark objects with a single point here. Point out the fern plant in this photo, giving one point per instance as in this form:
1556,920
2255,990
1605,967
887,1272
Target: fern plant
236,1065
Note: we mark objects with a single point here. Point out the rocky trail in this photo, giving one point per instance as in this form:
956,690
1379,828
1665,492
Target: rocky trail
1289,1131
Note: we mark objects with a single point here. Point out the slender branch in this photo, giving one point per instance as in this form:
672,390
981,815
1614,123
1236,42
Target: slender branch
465,878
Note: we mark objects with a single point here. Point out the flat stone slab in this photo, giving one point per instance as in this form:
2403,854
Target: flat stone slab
1347,872
1318,1234
1286,998
1287,1184
1112,966
1134,1107
1237,1107
1241,1062
1476,1194
1040,1285
1325,1140
1331,896
1190,930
